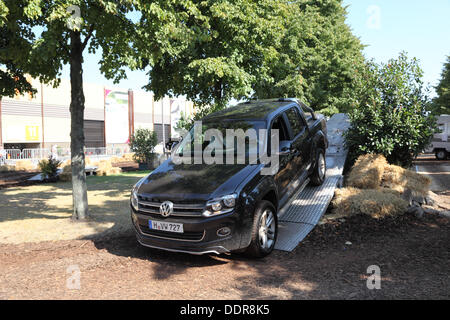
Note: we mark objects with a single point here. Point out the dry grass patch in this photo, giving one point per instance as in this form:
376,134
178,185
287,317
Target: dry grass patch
105,168
66,174
7,168
42,212
367,172
375,188
376,203
24,165
400,179
128,157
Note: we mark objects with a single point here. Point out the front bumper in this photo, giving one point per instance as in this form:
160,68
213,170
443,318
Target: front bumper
199,237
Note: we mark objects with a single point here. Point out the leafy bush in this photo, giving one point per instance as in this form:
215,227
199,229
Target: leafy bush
328,112
49,167
143,143
389,119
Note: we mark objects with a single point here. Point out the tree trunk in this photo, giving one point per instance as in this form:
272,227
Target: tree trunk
79,188
218,95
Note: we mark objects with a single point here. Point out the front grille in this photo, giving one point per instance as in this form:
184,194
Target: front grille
186,236
148,206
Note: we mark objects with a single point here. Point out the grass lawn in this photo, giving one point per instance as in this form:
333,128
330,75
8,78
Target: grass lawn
42,212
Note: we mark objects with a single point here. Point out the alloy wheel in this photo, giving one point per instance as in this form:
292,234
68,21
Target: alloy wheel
267,229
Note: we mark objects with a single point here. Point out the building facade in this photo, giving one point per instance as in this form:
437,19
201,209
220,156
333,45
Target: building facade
111,116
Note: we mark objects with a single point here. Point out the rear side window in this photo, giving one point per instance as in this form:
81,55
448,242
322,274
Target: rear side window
295,120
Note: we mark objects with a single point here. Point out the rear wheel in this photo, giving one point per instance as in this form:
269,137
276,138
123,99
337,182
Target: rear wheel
441,154
320,168
264,230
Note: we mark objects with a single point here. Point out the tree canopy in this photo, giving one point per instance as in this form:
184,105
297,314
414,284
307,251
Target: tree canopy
233,49
441,104
390,116
317,59
219,50
16,37
54,33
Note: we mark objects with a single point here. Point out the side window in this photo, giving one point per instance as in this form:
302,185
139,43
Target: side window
279,124
295,120
308,112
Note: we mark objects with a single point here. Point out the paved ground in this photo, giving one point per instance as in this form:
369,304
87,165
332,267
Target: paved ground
413,256
438,171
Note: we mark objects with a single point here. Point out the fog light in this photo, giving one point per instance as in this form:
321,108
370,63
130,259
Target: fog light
223,232
134,218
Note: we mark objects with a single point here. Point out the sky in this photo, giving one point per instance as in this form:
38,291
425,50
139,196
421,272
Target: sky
386,27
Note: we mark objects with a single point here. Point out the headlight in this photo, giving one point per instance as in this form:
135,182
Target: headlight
221,205
134,200
229,201
134,197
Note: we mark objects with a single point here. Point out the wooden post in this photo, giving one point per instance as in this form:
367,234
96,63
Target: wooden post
130,114
104,117
1,137
42,115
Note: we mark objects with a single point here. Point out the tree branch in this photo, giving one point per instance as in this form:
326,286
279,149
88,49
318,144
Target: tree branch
88,36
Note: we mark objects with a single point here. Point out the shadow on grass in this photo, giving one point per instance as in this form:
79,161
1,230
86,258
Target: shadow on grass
107,196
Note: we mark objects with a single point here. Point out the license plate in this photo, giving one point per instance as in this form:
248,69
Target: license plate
165,226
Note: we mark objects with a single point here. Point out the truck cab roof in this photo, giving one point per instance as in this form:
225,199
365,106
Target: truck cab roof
254,110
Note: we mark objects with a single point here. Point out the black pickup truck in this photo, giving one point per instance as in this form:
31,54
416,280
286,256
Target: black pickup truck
216,208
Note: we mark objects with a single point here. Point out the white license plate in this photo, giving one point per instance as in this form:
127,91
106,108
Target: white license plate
165,226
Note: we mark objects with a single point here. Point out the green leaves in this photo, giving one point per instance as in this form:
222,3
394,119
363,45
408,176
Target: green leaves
390,118
143,143
317,57
215,50
15,44
441,104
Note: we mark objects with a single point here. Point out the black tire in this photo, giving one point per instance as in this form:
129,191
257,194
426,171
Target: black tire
257,249
320,170
441,154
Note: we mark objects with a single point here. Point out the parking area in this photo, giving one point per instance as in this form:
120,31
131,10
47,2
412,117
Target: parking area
438,171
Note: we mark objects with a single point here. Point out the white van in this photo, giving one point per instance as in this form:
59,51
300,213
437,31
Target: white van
440,144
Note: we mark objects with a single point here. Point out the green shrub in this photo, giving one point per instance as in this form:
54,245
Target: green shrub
143,143
328,112
49,167
389,119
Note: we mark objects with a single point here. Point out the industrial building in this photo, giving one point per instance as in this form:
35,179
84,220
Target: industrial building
111,116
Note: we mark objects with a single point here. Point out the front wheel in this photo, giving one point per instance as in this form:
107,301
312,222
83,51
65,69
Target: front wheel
264,230
441,155
320,168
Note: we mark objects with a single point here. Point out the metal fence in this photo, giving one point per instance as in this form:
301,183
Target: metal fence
13,154
41,153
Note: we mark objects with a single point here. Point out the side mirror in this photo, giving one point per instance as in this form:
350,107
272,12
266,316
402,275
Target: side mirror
285,148
171,144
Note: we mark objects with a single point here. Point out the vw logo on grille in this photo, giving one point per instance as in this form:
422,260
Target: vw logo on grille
166,208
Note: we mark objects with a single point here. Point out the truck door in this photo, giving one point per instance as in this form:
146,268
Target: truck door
301,141
286,170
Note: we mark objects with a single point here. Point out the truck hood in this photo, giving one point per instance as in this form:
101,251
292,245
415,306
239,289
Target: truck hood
174,182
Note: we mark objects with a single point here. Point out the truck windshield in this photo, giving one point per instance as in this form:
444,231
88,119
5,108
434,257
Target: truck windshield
236,136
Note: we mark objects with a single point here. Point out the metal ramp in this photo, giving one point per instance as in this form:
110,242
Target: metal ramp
305,208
